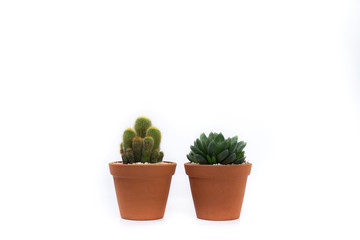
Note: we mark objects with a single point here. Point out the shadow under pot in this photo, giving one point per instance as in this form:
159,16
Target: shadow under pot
142,189
218,190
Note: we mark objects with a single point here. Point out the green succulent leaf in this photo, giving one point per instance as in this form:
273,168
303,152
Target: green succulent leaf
219,138
220,147
240,155
199,145
221,156
232,146
207,142
200,159
229,159
203,137
239,161
228,143
211,148
213,160
190,157
211,135
196,150
241,145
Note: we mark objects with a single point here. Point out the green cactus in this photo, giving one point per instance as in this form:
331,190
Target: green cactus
122,153
141,144
137,148
161,156
130,155
216,149
147,149
128,136
155,156
156,135
141,125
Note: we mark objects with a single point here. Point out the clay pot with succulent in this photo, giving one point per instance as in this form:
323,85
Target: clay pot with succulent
142,179
217,173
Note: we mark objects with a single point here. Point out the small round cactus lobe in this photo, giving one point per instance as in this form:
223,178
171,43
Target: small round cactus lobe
141,126
128,136
156,135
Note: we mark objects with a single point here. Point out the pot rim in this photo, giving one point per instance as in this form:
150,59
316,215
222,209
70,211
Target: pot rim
217,171
216,165
120,163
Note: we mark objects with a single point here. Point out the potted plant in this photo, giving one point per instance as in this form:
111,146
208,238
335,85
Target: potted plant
217,172
142,180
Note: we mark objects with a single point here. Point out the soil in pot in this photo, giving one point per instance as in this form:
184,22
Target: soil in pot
142,189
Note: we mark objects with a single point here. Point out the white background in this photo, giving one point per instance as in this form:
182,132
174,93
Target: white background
282,75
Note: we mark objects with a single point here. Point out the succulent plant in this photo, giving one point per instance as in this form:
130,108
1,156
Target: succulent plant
214,149
141,144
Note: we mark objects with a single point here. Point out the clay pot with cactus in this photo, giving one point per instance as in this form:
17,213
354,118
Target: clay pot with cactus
217,173
142,179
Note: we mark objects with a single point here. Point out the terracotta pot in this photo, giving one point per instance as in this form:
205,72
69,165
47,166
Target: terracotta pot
142,189
218,190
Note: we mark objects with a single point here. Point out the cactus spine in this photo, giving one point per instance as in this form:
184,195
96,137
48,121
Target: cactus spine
141,144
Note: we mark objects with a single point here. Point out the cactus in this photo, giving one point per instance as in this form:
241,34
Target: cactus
137,148
147,149
216,149
155,156
141,144
128,136
141,125
130,155
122,153
161,156
156,135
